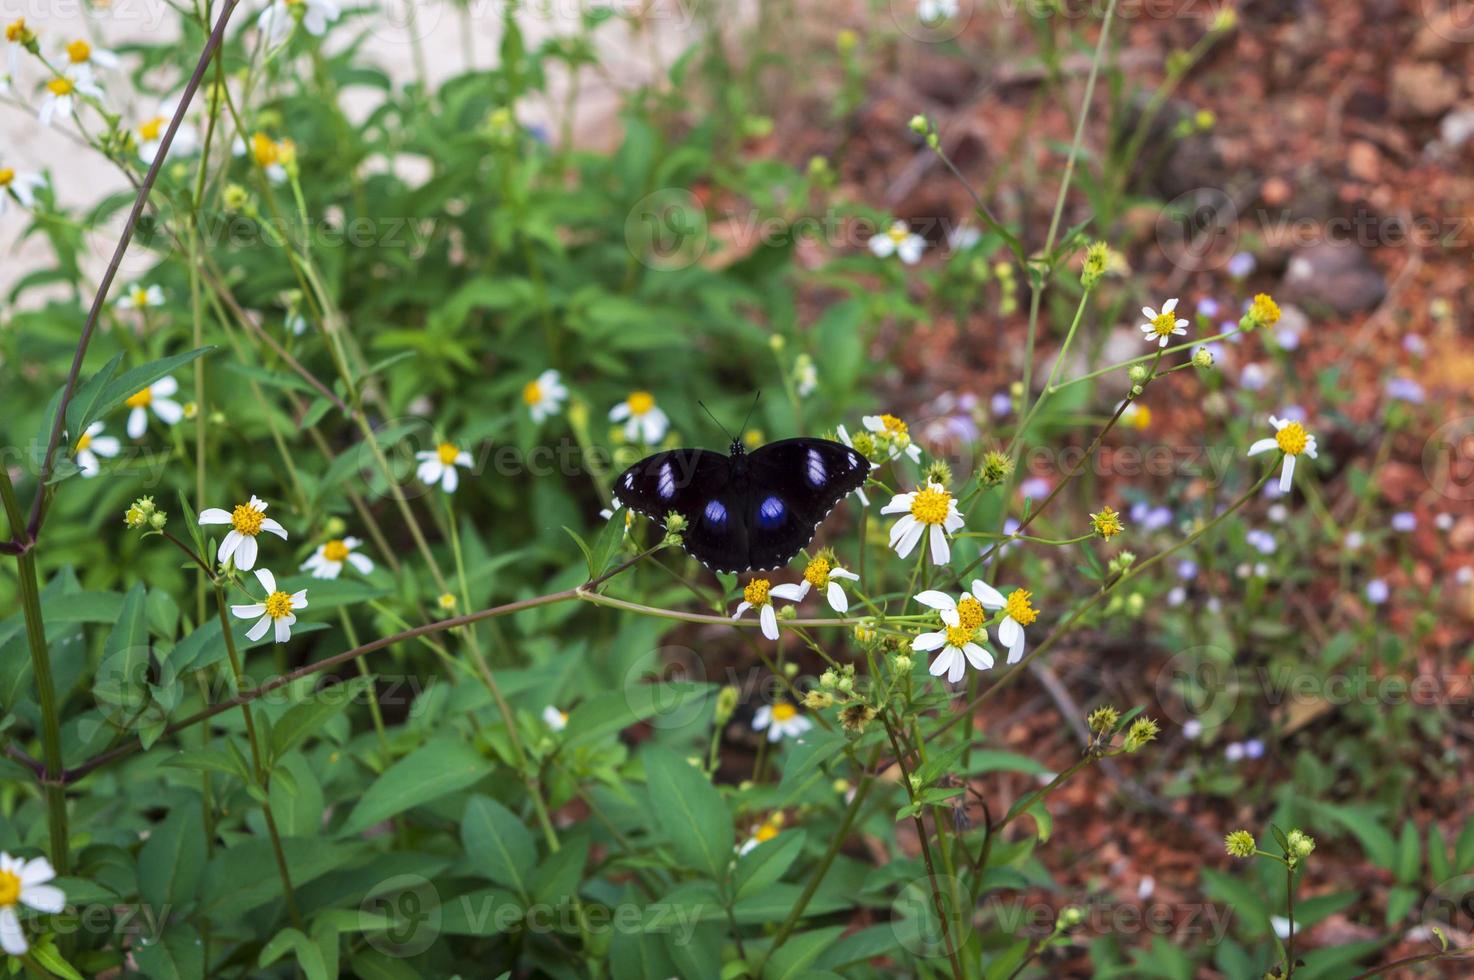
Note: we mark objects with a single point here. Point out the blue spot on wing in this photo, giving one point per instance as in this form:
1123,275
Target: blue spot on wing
770,513
715,513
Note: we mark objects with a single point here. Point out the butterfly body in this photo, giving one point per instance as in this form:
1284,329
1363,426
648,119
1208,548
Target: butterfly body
745,511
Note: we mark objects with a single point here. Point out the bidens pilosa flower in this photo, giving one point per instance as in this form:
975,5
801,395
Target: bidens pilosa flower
899,241
275,612
21,186
141,297
957,642
555,720
246,522
158,398
823,573
1162,326
759,594
931,511
23,882
1017,613
328,560
438,465
544,395
643,420
1291,439
92,445
892,436
780,720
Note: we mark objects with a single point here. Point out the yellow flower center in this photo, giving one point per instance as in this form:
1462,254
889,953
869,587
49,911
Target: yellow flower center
930,506
446,601
278,605
335,550
1164,323
783,711
140,399
765,833
9,888
246,520
817,574
78,52
640,402
1292,439
447,453
15,30
151,129
898,233
532,393
893,426
756,594
1138,416
970,613
140,296
1265,310
7,174
959,636
1018,607
84,442
264,150
61,87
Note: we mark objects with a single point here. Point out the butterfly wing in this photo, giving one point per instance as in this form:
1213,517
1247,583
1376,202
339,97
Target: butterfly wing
698,485
791,486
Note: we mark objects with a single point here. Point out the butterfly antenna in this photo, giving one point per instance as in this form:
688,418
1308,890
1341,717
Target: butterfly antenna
750,408
730,437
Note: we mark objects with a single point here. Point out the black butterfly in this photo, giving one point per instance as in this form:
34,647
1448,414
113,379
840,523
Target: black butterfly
745,512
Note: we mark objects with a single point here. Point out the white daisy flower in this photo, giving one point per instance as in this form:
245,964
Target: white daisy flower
246,522
935,11
844,437
327,561
544,395
555,719
1162,326
21,186
156,396
23,882
141,297
151,136
643,420
823,573
957,643
81,56
275,611
898,240
438,465
780,720
276,21
962,237
930,510
1291,439
62,93
296,323
1017,613
805,376
893,435
768,829
16,35
759,594
92,445
268,154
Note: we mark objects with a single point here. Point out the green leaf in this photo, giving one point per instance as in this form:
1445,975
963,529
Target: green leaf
370,964
82,409
791,960
121,683
806,757
1464,848
765,864
300,721
497,844
843,344
672,705
638,955
176,955
213,759
170,861
309,957
690,811
434,770
244,876
1378,844
1409,855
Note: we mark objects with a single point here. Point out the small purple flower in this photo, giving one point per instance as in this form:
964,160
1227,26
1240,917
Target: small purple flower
1444,521
1149,518
1241,266
1187,569
1261,541
1414,344
1406,390
1377,592
1001,404
1234,751
1254,377
1254,749
1289,339
1295,413
1035,487
1405,521
1192,728
1208,307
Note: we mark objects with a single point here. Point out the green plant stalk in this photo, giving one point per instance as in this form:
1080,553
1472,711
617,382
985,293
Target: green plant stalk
1059,361
262,774
30,591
